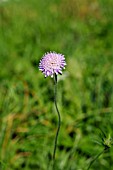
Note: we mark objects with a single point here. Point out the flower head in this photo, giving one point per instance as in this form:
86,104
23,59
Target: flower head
52,63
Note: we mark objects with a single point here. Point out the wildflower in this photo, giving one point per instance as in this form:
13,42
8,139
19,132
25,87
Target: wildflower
52,63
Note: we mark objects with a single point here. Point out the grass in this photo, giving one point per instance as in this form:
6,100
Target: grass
82,31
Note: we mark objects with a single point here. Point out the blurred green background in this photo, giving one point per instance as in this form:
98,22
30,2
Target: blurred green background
82,30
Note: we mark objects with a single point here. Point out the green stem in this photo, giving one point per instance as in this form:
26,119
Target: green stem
96,158
59,119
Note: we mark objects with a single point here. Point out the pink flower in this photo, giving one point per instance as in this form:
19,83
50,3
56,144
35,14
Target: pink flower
52,63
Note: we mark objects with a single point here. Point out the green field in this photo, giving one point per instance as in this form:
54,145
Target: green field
82,30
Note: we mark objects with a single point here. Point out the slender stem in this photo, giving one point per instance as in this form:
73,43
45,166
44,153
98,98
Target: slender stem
59,119
96,158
